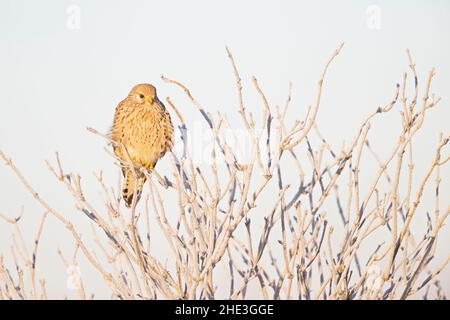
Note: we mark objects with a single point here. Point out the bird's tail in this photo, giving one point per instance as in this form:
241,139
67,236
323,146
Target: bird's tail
133,184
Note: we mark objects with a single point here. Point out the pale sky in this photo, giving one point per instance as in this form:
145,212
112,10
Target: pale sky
59,74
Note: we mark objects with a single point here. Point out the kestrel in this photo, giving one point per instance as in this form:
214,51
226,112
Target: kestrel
141,133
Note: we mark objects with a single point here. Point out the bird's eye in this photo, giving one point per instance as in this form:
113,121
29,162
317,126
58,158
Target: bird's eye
141,96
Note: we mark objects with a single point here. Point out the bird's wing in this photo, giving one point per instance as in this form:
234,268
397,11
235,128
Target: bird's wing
117,128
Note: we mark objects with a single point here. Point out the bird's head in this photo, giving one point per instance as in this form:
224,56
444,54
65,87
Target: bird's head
144,94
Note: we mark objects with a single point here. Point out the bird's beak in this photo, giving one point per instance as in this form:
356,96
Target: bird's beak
150,100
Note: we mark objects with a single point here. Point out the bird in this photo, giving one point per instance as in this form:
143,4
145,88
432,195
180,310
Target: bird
141,134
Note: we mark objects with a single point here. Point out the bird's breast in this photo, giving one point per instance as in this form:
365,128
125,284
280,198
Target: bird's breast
144,138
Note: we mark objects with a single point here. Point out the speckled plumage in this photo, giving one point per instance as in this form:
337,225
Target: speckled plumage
144,128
